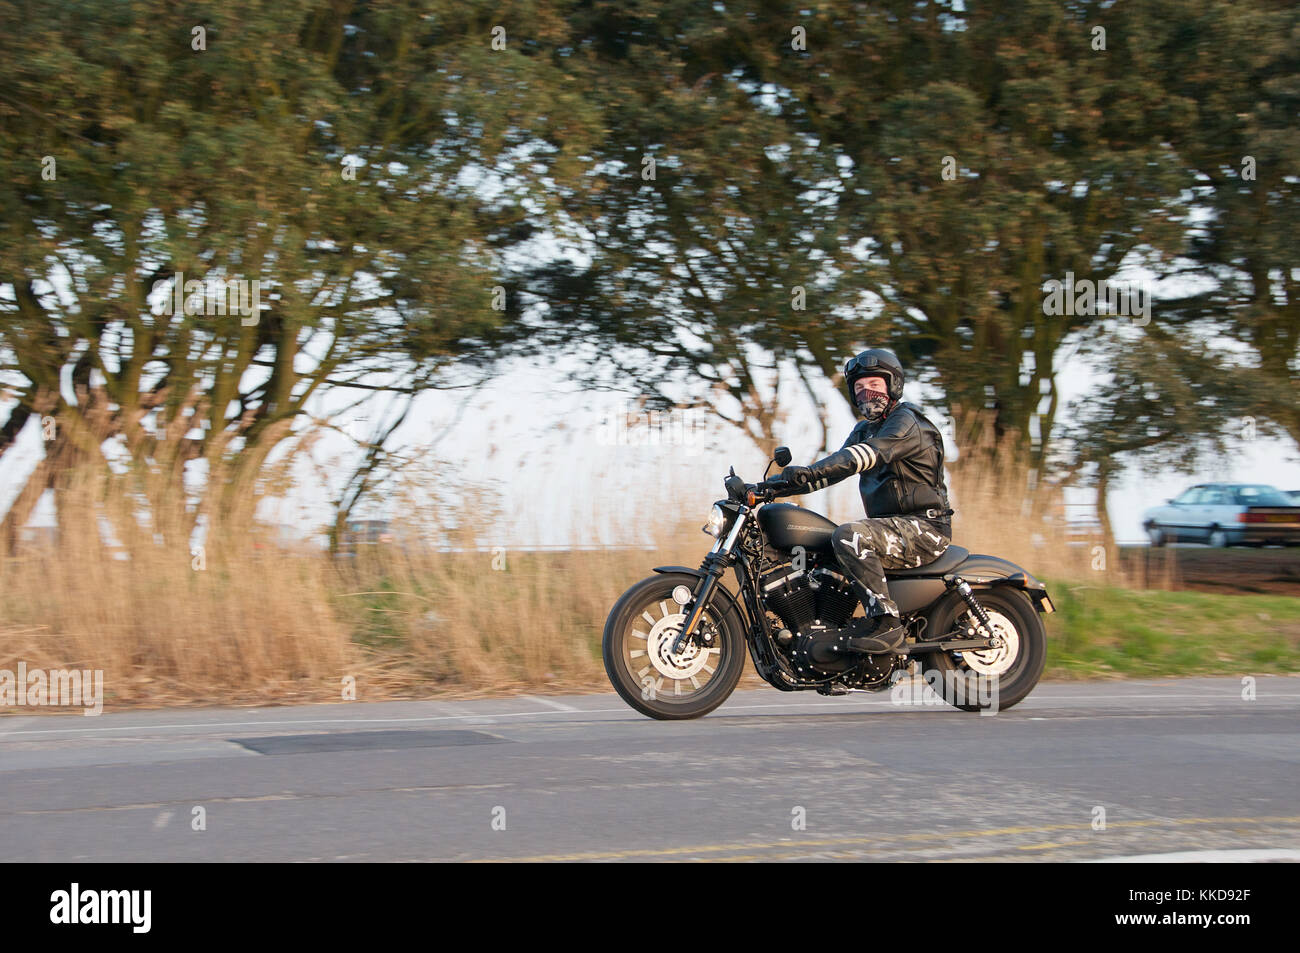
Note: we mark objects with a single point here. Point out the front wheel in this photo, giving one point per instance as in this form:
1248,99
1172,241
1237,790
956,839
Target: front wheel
991,679
637,646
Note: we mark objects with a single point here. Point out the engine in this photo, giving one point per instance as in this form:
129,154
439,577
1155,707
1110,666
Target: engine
812,603
802,598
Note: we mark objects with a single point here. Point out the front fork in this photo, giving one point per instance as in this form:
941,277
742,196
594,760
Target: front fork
714,567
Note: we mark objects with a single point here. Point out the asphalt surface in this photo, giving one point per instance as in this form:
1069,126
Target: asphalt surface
1178,766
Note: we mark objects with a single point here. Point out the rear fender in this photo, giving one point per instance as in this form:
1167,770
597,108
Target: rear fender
988,572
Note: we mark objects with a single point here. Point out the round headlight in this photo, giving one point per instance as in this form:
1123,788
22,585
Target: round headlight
716,521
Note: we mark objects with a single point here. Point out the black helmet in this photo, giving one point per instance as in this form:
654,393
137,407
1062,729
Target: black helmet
872,363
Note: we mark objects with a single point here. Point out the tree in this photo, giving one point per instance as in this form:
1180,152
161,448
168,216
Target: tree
993,150
338,155
921,171
1239,65
707,252
1164,402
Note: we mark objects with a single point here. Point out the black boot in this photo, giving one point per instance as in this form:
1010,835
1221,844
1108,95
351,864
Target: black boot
887,635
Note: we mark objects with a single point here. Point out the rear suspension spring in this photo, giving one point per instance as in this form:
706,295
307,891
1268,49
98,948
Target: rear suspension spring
964,590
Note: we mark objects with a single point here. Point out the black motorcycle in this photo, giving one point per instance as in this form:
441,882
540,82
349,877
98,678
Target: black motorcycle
673,643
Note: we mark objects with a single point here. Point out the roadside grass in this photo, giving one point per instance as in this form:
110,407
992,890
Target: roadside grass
1128,633
484,621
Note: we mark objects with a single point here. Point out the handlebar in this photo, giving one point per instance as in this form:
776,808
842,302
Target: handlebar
768,490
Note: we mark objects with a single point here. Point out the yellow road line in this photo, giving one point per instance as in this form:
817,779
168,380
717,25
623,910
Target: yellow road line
805,845
1052,846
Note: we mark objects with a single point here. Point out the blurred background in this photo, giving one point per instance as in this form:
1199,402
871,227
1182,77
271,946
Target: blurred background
398,338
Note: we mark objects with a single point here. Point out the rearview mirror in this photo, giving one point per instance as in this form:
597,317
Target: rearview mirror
783,456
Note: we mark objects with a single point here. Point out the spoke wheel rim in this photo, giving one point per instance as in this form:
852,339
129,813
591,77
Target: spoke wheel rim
647,653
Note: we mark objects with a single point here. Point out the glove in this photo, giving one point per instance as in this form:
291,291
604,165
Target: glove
829,470
797,477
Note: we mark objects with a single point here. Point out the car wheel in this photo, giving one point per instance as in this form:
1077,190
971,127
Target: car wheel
1156,534
1218,538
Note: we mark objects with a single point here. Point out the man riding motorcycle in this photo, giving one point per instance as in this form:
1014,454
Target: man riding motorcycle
899,456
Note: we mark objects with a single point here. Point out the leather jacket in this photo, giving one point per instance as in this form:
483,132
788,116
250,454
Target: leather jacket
900,459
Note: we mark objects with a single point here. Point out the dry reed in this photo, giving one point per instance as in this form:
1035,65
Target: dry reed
445,609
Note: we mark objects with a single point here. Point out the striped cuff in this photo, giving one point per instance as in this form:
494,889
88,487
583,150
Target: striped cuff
863,456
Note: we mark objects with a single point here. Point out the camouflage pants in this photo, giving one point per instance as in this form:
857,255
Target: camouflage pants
867,548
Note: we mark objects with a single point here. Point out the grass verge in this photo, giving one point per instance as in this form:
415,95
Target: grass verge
1127,633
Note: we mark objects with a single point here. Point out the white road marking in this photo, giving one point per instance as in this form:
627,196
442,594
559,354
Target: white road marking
822,704
9,724
1244,856
559,706
468,719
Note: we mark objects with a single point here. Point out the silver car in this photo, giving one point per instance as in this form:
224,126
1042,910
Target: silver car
1226,514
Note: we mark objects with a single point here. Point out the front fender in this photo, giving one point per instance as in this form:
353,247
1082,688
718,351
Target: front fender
719,590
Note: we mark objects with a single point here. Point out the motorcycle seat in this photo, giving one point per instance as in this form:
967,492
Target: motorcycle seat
952,557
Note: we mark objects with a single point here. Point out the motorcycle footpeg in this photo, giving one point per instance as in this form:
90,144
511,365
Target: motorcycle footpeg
833,689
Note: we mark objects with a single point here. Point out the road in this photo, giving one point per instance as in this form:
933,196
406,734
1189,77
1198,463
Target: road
1176,766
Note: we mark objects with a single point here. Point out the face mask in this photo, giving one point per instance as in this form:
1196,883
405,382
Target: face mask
873,397
873,408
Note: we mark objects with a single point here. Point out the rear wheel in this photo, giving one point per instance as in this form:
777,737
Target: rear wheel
991,679
647,674
1218,538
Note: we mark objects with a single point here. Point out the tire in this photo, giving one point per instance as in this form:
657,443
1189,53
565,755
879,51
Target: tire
1156,535
646,688
1217,539
946,673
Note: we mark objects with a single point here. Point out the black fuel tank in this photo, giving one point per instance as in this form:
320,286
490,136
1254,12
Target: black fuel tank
788,526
